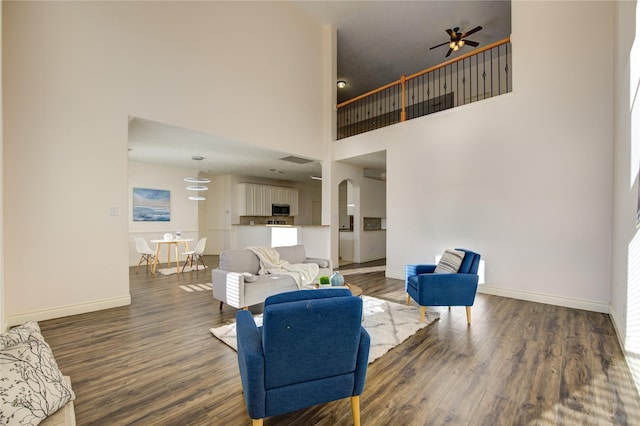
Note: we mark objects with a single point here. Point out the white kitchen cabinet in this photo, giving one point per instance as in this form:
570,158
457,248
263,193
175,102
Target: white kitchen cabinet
256,200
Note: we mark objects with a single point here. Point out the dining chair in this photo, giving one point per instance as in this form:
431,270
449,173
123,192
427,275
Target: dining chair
146,253
195,255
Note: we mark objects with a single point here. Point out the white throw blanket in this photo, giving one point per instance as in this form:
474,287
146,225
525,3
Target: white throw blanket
271,263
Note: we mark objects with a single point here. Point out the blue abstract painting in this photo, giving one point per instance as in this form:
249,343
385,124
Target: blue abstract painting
151,205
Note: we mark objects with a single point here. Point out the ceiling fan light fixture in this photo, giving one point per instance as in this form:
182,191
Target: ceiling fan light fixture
461,43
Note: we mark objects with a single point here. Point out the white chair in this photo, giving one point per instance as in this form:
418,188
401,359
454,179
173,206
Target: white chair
195,255
146,253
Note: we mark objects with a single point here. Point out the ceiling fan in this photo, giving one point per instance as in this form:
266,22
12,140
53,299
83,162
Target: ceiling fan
457,39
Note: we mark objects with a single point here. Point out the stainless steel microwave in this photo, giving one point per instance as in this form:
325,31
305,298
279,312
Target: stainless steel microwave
280,210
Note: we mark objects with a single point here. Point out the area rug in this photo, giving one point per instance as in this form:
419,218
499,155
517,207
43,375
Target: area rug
171,271
388,324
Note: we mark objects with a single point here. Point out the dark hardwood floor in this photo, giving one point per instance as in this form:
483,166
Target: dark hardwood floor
520,363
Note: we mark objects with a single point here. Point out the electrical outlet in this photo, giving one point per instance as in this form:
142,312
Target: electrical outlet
113,211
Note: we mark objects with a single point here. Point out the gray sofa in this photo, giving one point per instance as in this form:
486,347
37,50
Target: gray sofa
237,283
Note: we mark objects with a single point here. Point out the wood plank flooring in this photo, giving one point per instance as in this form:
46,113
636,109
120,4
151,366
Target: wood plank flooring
520,363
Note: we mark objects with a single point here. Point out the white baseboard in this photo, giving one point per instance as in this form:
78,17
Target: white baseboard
548,299
64,311
620,333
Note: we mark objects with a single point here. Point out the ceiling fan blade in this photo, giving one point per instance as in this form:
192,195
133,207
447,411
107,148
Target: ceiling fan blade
440,45
475,30
448,53
451,33
471,43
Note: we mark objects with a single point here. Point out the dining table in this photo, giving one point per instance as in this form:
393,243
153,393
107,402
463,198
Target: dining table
173,242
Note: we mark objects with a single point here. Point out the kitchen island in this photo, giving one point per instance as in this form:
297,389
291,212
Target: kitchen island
315,238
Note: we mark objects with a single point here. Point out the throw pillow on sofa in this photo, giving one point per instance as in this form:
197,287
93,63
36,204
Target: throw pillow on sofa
32,386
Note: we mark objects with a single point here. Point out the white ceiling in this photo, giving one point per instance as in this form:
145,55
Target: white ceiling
378,41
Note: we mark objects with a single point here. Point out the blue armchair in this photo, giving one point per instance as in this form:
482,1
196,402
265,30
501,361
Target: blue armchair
311,349
453,289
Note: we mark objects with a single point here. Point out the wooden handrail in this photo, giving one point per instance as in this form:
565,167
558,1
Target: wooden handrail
419,73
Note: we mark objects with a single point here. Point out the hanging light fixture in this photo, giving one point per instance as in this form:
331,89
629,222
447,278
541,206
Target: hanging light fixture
197,188
198,181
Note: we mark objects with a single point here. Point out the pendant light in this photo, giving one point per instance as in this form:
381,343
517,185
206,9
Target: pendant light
198,181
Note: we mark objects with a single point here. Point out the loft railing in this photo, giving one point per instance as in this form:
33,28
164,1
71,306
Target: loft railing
477,75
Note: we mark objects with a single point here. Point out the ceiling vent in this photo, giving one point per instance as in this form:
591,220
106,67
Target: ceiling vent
297,160
374,174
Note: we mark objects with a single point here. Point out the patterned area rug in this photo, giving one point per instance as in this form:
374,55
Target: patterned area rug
388,324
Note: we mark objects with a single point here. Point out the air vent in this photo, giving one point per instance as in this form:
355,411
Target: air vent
297,160
374,174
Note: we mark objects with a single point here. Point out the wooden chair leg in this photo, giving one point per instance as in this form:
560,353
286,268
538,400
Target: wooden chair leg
468,315
423,310
185,264
355,410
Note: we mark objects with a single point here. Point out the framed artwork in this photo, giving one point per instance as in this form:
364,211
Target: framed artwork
151,205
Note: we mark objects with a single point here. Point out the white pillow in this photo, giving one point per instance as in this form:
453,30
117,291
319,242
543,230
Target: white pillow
32,386
449,262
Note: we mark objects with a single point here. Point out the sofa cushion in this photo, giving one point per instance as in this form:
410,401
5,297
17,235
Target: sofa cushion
292,254
322,263
249,277
32,386
239,261
450,262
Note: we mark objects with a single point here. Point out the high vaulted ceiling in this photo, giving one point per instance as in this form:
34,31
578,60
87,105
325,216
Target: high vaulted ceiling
378,41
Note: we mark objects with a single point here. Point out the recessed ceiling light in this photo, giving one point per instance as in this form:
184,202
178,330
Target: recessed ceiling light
342,84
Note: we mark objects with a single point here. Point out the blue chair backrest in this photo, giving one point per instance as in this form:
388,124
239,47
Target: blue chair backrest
305,340
470,262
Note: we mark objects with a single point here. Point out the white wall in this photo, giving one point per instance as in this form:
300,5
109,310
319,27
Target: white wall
75,71
184,212
625,288
524,179
2,296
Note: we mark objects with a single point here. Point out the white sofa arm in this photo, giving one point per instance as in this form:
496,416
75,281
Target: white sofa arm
228,287
235,290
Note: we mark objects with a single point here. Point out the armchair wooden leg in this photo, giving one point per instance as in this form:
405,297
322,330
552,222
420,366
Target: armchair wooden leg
257,422
408,298
468,315
423,310
221,305
355,410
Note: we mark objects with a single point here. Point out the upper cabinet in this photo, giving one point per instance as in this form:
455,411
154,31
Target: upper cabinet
256,200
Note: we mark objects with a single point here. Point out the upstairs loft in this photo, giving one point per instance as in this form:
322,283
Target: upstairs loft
475,76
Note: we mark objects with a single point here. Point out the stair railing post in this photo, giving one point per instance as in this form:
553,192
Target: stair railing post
403,112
